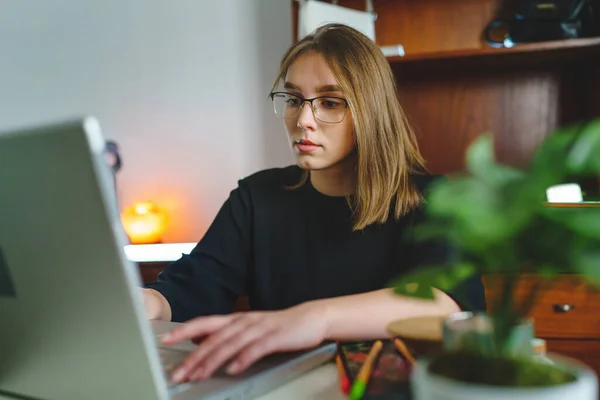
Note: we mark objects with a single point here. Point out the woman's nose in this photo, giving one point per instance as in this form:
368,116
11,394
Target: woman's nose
306,118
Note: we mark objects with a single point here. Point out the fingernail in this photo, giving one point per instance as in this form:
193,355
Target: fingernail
165,337
233,367
199,375
179,375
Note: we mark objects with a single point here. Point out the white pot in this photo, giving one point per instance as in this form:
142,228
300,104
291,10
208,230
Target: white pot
426,386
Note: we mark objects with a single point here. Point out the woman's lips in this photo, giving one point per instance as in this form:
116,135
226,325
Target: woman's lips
306,146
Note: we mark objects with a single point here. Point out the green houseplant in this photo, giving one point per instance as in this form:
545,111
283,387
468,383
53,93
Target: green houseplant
496,218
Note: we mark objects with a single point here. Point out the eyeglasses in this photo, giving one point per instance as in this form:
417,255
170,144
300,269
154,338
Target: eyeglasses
325,108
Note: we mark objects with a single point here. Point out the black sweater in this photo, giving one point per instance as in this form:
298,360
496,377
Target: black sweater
283,247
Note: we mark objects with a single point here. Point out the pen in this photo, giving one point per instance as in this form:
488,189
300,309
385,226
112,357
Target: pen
362,379
401,347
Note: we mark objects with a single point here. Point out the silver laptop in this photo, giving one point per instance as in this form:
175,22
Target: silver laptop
72,323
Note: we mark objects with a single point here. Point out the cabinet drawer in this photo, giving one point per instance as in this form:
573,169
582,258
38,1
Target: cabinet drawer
586,351
567,309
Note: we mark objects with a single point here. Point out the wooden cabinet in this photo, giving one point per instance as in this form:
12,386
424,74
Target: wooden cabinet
585,350
567,315
454,86
149,270
568,311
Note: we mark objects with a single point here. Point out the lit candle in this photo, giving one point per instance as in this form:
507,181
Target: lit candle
144,222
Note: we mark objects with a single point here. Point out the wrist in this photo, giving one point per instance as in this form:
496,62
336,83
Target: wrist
322,311
153,304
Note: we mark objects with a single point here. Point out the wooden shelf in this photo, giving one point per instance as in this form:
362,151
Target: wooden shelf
583,44
585,204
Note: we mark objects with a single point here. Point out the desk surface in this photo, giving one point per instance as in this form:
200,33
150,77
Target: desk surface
320,383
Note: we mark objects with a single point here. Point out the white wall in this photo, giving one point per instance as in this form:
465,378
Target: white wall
181,86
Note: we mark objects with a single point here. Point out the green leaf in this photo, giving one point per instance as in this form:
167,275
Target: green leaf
548,167
417,290
548,271
481,163
480,155
476,213
420,282
545,244
584,221
495,217
587,262
584,156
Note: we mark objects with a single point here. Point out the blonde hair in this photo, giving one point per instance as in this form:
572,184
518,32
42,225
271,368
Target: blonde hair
386,146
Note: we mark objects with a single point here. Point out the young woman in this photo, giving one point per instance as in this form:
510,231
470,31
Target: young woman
314,245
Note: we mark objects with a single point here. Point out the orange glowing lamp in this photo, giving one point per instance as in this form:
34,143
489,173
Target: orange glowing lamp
144,222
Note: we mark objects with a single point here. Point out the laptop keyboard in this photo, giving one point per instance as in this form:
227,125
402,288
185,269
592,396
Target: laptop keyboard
170,359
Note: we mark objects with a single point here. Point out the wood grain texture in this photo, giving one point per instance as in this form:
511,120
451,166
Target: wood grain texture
591,78
581,321
586,351
442,28
572,205
430,26
149,271
294,21
584,46
450,111
593,101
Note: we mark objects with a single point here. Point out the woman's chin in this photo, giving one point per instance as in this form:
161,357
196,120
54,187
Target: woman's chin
306,163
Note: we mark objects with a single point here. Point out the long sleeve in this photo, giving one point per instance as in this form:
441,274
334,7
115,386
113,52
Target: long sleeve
210,279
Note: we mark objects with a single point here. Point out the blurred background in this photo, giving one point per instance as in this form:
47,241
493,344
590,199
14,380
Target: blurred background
182,86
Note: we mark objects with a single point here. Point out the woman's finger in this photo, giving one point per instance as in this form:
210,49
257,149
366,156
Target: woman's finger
256,350
228,349
200,326
194,363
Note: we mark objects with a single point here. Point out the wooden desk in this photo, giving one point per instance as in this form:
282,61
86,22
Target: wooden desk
320,383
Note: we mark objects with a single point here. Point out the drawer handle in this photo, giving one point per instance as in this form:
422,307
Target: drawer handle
562,308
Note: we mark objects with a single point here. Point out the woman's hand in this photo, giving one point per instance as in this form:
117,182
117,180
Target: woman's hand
244,338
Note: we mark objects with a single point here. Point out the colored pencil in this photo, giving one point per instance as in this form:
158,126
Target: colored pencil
364,374
401,347
340,352
343,377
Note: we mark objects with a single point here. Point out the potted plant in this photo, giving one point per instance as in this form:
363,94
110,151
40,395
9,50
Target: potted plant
497,219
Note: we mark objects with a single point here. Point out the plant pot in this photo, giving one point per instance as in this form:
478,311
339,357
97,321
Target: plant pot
465,331
428,386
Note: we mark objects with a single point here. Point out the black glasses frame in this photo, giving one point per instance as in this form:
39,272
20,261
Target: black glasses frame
312,107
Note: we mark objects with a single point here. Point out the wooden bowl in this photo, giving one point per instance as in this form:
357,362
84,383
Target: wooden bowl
422,335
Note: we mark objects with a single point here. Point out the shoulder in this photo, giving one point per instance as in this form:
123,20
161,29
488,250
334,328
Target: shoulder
273,178
263,190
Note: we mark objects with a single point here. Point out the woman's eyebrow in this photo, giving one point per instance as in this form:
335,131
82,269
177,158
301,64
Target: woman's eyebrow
319,89
290,85
328,88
